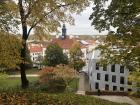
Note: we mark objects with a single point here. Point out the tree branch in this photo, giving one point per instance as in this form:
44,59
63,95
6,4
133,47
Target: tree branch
22,12
57,7
33,25
30,9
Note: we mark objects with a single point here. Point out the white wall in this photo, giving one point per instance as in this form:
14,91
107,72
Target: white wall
93,58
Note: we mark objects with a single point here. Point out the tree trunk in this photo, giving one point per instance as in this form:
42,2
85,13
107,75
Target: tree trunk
24,81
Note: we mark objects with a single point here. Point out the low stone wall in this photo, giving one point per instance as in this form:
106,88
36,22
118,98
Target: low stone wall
107,93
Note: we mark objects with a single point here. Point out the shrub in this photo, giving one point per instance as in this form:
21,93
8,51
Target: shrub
56,85
55,56
50,82
46,74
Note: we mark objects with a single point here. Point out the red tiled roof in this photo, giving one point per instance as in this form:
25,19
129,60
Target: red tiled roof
64,43
35,49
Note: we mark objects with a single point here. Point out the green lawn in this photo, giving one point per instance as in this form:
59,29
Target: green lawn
29,71
73,85
14,82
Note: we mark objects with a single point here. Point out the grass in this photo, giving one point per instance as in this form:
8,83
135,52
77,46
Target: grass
29,71
32,71
73,85
14,82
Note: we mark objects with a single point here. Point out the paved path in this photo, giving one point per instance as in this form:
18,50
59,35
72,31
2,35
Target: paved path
119,99
28,75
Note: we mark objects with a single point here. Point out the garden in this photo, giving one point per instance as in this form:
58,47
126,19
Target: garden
52,87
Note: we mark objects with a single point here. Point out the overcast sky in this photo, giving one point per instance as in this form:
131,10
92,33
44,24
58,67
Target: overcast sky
83,25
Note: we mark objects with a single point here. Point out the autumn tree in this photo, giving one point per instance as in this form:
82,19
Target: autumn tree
76,57
9,51
10,46
121,46
40,35
55,56
44,14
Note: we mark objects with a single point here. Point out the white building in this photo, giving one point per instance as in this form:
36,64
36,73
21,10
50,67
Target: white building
113,77
37,52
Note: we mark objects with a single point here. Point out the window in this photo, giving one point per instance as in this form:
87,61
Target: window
129,90
104,68
106,87
98,76
96,85
121,69
97,66
114,88
121,89
106,77
121,80
113,68
113,78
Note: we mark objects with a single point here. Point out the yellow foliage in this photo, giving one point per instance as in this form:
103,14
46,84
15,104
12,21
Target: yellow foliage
135,76
9,50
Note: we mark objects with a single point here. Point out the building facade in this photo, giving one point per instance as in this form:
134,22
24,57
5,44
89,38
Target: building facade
37,53
113,77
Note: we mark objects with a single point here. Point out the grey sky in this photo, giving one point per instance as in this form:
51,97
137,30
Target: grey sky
83,25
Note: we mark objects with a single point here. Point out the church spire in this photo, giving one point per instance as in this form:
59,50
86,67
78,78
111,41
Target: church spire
64,31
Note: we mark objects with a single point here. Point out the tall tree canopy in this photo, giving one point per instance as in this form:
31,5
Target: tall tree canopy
44,14
76,55
55,56
123,45
9,51
10,47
